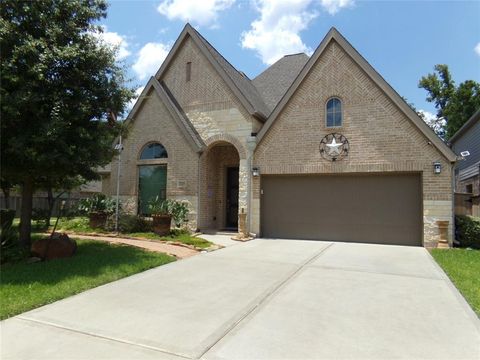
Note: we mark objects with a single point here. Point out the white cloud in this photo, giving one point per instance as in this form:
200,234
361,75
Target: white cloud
115,40
149,59
437,124
477,49
201,12
276,32
334,6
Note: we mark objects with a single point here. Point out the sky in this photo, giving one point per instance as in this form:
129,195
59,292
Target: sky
402,40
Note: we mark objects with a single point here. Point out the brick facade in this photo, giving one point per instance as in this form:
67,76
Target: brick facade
382,139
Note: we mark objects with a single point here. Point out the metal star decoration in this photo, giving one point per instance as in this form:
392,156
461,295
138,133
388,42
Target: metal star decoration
334,147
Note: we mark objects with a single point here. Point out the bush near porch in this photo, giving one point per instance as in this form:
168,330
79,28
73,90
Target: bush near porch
467,231
463,268
27,286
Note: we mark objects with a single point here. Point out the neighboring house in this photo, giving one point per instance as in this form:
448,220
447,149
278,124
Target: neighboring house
467,171
316,147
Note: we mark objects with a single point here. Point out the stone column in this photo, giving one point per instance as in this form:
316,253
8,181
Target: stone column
242,197
442,234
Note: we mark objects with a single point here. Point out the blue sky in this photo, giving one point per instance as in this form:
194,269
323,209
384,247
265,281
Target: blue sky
402,40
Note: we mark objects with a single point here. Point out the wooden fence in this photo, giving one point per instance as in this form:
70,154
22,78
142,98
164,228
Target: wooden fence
41,202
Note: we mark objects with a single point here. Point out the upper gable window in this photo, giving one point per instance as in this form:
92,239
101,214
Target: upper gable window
154,151
188,71
334,112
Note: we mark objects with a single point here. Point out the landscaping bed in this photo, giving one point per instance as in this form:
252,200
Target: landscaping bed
463,268
79,225
27,286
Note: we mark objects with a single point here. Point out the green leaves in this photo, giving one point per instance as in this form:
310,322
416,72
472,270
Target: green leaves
98,203
455,104
57,85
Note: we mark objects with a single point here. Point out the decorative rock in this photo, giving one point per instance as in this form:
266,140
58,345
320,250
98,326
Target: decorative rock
55,247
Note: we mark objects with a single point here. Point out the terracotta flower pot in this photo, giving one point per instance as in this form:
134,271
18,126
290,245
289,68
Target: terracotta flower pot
97,219
162,224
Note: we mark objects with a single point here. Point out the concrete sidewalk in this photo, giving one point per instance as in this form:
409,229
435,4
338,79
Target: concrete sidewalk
265,299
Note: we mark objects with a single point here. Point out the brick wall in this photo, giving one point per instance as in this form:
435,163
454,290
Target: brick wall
153,123
381,137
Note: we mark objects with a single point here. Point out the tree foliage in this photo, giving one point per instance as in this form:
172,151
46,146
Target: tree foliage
454,104
59,87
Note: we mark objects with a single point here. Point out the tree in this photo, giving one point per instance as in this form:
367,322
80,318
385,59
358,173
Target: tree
59,86
455,105
55,188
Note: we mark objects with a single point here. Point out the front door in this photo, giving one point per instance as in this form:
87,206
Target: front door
232,198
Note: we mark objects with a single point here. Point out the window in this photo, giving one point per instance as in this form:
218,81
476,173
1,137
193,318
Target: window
152,182
188,73
334,112
154,151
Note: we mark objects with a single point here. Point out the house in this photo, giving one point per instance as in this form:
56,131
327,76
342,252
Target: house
467,171
316,147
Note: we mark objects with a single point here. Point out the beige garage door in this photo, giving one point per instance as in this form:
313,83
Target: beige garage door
384,209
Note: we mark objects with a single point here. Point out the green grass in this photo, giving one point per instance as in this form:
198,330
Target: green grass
77,224
463,268
27,286
183,238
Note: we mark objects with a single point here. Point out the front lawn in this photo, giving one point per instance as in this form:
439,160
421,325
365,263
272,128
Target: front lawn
27,286
463,268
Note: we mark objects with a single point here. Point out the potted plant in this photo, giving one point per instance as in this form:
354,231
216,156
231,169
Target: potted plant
98,207
161,211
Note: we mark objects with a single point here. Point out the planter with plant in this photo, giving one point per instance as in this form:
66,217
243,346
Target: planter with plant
163,211
98,207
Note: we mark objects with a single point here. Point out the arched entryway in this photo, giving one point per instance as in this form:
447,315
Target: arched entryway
219,187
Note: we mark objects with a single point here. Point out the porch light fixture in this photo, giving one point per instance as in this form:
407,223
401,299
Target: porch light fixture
437,167
255,171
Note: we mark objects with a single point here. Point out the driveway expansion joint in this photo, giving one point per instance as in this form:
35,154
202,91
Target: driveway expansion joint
375,272
266,297
98,336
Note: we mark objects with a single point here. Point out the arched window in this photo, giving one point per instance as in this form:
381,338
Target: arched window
154,151
334,112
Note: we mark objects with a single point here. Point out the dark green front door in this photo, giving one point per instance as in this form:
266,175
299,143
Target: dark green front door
152,183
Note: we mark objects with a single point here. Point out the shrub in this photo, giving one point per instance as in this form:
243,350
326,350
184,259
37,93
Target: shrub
98,203
133,223
40,216
178,210
467,231
10,249
6,218
158,206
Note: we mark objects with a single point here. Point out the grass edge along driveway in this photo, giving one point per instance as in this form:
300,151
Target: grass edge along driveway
26,286
463,268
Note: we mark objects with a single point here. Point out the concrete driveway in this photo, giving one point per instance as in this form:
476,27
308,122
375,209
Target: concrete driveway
265,299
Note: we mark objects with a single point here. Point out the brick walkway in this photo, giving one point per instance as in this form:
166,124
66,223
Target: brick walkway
179,252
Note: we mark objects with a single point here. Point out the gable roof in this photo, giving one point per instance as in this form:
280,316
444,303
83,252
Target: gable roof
274,82
186,127
470,122
239,83
333,34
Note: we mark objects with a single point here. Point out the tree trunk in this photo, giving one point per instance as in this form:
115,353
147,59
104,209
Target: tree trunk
6,195
51,204
26,213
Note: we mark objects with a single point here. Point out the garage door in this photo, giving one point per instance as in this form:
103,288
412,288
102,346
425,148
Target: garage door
382,209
